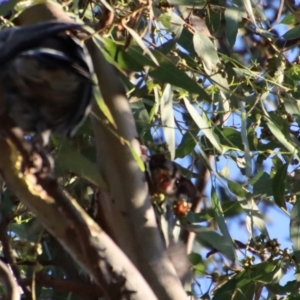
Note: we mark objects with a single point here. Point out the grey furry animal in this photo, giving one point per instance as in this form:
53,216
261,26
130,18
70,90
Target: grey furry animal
46,80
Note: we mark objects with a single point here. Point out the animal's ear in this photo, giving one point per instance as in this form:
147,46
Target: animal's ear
17,39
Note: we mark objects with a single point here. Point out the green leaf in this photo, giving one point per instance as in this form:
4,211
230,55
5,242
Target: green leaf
203,124
237,189
186,146
21,230
137,157
198,263
71,160
121,57
205,49
214,239
214,21
249,10
295,232
293,33
291,106
244,284
262,184
282,138
140,42
142,119
186,41
219,218
195,258
246,145
278,185
254,216
289,19
233,18
293,72
102,105
231,138
174,23
167,118
168,73
7,6
137,54
231,290
165,20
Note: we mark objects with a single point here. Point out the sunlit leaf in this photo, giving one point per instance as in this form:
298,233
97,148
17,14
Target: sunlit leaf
167,118
248,7
165,20
141,43
102,105
293,72
203,124
207,52
289,19
137,158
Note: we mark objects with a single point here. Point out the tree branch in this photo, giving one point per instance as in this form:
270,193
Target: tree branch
82,289
74,229
128,210
9,283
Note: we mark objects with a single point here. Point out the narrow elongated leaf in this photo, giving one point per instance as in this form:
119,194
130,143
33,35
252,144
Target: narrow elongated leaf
282,138
214,239
175,24
122,57
102,105
246,146
140,42
248,7
71,160
168,73
292,107
233,17
186,146
289,19
137,158
167,118
295,234
237,189
280,134
202,124
254,217
205,49
293,33
262,184
219,218
278,185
